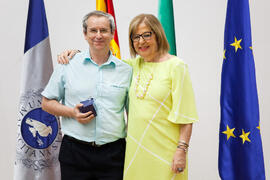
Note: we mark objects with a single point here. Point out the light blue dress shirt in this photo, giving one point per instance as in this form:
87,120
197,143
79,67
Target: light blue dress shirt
108,84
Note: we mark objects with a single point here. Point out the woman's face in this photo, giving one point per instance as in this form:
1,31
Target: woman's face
144,42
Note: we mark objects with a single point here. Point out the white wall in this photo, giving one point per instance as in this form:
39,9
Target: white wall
199,33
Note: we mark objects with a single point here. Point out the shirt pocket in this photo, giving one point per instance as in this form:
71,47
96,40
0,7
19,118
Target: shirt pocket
114,96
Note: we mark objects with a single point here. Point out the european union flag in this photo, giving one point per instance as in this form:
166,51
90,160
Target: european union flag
240,146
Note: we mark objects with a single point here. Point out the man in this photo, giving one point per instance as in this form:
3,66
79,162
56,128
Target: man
92,147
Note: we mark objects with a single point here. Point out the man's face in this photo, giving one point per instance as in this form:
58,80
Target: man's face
98,33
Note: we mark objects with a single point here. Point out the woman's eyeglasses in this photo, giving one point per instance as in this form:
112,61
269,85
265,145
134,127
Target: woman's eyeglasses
146,36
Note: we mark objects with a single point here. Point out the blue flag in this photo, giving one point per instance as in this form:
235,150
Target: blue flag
240,146
39,136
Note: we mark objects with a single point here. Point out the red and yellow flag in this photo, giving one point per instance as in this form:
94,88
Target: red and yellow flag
107,6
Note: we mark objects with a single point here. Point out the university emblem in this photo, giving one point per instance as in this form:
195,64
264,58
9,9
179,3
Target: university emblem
39,137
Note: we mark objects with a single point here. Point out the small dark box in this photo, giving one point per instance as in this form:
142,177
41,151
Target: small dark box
88,105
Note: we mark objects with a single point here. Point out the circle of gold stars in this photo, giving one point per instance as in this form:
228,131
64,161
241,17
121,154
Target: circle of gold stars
244,136
237,45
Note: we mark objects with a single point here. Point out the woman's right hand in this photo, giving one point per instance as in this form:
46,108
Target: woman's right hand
65,56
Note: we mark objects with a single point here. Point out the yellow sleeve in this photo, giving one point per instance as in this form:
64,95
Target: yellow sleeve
133,61
183,101
129,61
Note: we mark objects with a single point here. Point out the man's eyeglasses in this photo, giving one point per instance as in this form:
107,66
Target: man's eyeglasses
96,30
146,36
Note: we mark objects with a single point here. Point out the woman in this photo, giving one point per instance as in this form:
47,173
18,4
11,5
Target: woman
161,106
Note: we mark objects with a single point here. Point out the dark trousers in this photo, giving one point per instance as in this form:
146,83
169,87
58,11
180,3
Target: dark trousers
82,161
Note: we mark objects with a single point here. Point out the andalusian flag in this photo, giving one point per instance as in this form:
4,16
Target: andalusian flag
165,15
107,6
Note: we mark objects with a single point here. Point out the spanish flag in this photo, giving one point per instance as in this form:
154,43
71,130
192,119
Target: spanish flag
107,6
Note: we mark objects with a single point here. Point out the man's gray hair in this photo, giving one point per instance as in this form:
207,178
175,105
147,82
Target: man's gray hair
98,14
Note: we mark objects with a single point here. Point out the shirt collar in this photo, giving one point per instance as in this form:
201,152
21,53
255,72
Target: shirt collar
111,60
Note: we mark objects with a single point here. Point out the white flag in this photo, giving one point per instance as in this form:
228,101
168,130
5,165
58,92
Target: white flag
39,136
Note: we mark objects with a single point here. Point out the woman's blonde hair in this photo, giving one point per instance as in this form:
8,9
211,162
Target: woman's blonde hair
153,23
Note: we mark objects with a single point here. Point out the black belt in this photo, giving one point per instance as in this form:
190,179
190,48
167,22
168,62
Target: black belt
92,144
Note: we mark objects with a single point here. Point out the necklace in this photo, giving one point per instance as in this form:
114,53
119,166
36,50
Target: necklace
145,89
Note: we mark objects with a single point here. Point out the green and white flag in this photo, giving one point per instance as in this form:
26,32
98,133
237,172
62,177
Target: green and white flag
166,17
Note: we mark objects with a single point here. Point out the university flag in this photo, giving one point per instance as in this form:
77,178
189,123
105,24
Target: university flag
240,145
107,6
166,17
39,136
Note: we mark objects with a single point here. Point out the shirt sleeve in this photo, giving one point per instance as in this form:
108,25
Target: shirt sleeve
183,109
127,96
55,88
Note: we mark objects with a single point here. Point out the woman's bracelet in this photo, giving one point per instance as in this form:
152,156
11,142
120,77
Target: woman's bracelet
185,149
183,143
